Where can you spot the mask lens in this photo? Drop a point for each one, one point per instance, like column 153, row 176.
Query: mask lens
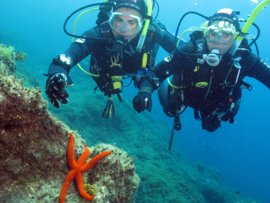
column 212, row 35
column 125, row 24
column 227, row 36
column 221, row 33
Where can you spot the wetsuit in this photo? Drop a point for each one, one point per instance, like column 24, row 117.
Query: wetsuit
column 214, row 92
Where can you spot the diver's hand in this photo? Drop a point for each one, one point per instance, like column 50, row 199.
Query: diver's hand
column 55, row 89
column 142, row 101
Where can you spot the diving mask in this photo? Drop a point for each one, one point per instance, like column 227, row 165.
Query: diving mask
column 220, row 32
column 125, row 24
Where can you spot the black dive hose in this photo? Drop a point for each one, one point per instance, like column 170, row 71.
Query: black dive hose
column 182, row 18
column 76, row 11
column 257, row 48
column 156, row 3
column 254, row 41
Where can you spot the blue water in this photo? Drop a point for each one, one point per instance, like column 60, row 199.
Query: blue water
column 241, row 152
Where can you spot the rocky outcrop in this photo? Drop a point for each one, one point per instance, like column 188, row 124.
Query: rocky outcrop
column 33, row 147
column 110, row 178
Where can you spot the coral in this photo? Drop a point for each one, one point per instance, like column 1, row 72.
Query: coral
column 91, row 189
column 20, row 56
column 6, row 53
column 9, row 56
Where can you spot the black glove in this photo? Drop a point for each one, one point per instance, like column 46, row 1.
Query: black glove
column 142, row 101
column 210, row 123
column 55, row 89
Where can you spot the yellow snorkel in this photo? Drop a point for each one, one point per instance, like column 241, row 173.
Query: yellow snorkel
column 73, row 39
column 146, row 26
column 247, row 25
column 78, row 18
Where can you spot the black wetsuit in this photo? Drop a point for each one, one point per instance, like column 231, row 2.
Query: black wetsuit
column 109, row 58
column 212, row 91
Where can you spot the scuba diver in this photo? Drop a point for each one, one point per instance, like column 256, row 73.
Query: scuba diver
column 123, row 44
column 207, row 72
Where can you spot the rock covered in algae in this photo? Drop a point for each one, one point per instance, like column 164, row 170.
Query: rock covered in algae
column 33, row 148
column 115, row 179
column 9, row 56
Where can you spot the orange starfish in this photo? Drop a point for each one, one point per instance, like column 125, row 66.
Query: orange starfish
column 78, row 168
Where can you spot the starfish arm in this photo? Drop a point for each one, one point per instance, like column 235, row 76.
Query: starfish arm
column 69, row 178
column 84, row 156
column 80, row 186
column 70, row 153
column 94, row 161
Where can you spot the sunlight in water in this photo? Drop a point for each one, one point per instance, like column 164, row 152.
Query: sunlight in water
column 254, row 1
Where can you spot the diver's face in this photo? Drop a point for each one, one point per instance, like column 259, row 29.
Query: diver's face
column 223, row 48
column 126, row 22
column 220, row 35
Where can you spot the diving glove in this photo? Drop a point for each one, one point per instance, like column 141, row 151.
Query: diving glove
column 55, row 89
column 142, row 101
column 210, row 123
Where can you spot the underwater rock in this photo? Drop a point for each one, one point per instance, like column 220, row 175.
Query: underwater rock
column 33, row 147
column 115, row 178
column 9, row 56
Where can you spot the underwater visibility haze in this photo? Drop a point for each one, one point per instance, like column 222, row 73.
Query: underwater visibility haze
column 240, row 152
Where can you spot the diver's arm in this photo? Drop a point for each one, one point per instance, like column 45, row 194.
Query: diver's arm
column 77, row 51
column 164, row 38
column 165, row 68
column 174, row 63
column 58, row 73
column 258, row 69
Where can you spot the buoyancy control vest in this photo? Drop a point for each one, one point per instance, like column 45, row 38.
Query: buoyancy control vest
column 117, row 49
